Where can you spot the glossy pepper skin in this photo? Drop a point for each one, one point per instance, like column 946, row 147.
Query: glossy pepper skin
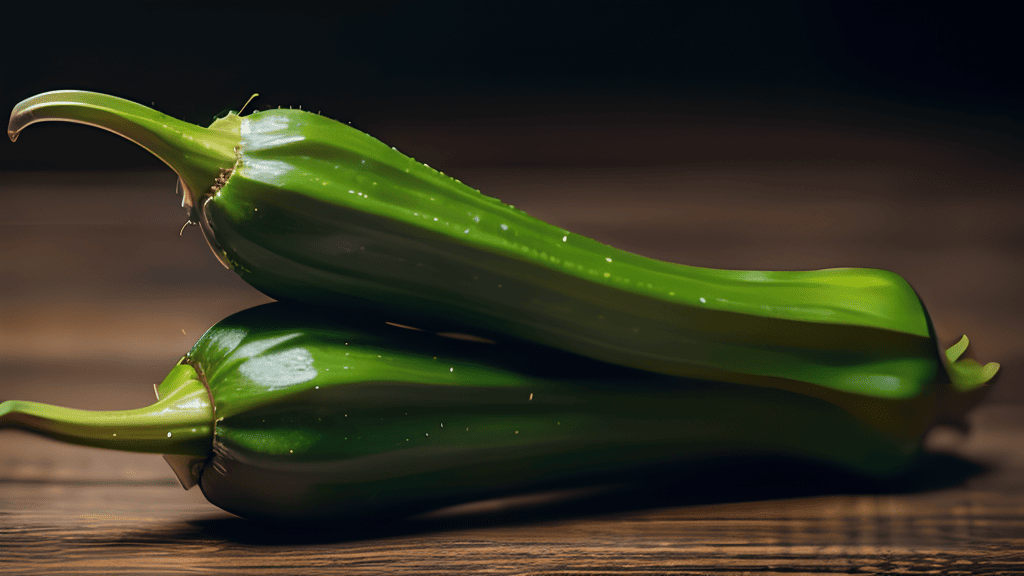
column 308, row 209
column 281, row 412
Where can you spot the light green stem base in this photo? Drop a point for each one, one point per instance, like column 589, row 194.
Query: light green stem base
column 198, row 155
column 181, row 422
column 967, row 374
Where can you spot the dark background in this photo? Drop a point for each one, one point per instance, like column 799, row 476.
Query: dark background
column 387, row 67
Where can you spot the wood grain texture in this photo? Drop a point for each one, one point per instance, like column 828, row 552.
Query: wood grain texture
column 967, row 522
column 100, row 297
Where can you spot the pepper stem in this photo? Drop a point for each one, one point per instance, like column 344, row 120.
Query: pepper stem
column 181, row 422
column 969, row 381
column 198, row 155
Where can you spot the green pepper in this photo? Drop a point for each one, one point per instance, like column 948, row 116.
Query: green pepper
column 284, row 412
column 308, row 209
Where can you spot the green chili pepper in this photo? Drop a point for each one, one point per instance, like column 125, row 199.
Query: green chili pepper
column 279, row 412
column 308, row 209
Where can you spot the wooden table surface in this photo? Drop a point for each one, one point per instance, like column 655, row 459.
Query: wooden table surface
column 100, row 296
